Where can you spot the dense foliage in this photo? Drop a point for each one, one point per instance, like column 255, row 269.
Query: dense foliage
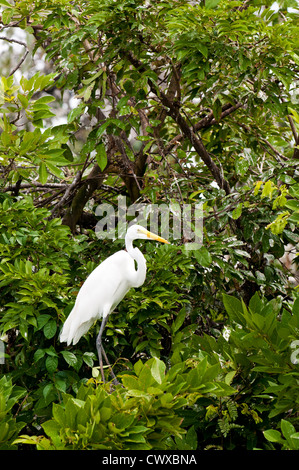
column 177, row 103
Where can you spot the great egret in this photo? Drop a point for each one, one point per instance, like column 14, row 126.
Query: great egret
column 104, row 288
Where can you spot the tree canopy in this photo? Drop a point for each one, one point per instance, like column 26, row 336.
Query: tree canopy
column 173, row 104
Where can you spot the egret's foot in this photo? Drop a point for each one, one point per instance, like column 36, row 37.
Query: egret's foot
column 114, row 379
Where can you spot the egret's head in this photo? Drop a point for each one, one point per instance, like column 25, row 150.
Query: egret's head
column 137, row 231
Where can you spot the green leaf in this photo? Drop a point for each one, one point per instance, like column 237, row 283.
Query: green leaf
column 59, row 415
column 51, row 364
column 76, row 112
column 23, row 100
column 101, row 156
column 229, row 377
column 217, row 109
column 203, row 256
column 257, row 187
column 46, row 390
column 88, row 358
column 241, row 166
column 287, row 430
column 279, row 223
column 179, row 320
column 44, row 99
column 43, row 173
column 50, row 329
column 53, row 169
column 68, row 154
column 39, row 353
column 204, row 51
column 234, row 308
column 91, row 79
column 51, row 428
column 273, row 436
column 158, row 370
column 237, row 211
column 211, row 3
column 69, row 357
column 5, row 3
column 268, row 189
column 292, row 204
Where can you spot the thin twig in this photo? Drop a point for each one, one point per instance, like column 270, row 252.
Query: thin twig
column 19, row 64
column 16, row 41
column 67, row 192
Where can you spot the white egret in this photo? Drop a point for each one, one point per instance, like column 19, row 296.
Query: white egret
column 104, row 288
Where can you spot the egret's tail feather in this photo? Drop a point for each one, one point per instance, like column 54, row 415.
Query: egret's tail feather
column 66, row 334
column 73, row 330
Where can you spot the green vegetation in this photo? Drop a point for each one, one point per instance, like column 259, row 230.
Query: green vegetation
column 174, row 104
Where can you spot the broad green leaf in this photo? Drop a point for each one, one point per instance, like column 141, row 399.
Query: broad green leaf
column 217, row 109
column 204, row 50
column 268, row 190
column 234, row 308
column 53, row 169
column 23, row 100
column 130, row 382
column 59, row 415
column 43, row 173
column 51, row 428
column 88, row 358
column 47, row 389
column 101, row 156
column 229, row 377
column 257, row 187
column 287, row 430
column 39, row 353
column 241, row 166
column 76, row 112
column 6, row 4
column 237, row 211
column 50, row 329
column 273, row 436
column 179, row 320
column 51, row 364
column 211, row 3
column 203, row 256
column 158, row 370
column 69, row 357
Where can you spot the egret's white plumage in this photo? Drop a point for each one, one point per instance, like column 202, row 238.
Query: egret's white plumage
column 106, row 286
column 102, row 291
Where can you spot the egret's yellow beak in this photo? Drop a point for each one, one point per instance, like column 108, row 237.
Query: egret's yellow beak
column 153, row 236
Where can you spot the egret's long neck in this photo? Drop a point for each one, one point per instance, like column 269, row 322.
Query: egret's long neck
column 138, row 277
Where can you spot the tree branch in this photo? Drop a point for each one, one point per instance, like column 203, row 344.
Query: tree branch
column 173, row 110
column 67, row 193
column 205, row 122
column 92, row 182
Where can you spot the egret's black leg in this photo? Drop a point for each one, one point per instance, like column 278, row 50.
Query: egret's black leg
column 100, row 347
column 101, row 353
column 115, row 381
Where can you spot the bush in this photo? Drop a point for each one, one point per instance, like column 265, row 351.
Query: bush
column 9, row 426
column 142, row 414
